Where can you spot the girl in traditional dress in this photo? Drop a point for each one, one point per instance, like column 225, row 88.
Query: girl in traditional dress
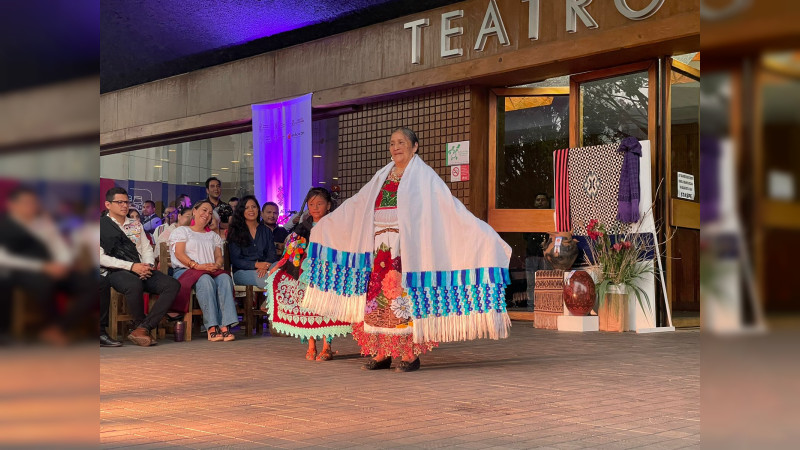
column 285, row 288
column 408, row 264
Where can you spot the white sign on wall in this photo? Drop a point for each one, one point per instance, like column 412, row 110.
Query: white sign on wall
column 459, row 173
column 781, row 185
column 685, row 186
column 456, row 153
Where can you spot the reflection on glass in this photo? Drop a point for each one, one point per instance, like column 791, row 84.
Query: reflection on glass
column 614, row 108
column 685, row 129
column 163, row 172
column 529, row 130
column 516, row 293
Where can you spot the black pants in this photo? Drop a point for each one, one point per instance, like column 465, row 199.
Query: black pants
column 133, row 288
column 104, row 291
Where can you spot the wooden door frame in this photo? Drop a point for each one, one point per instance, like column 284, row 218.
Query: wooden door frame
column 515, row 220
column 681, row 213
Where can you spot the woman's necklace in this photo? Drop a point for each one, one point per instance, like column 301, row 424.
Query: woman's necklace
column 394, row 175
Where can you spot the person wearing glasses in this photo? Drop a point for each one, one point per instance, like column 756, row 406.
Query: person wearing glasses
column 126, row 260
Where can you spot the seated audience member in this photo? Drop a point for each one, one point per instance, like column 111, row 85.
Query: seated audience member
column 183, row 201
column 170, row 217
column 269, row 215
column 184, row 219
column 133, row 213
column 197, row 260
column 126, row 259
column 251, row 245
column 150, row 220
column 35, row 258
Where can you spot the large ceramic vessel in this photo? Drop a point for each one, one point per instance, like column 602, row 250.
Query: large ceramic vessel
column 579, row 293
column 560, row 250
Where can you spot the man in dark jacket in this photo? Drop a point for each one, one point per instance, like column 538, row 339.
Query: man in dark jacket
column 126, row 260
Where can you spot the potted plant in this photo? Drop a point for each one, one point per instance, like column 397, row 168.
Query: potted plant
column 619, row 260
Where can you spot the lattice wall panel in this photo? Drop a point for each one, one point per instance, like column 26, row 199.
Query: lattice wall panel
column 437, row 118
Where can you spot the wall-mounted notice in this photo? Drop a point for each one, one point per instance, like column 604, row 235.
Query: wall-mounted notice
column 459, row 173
column 685, row 186
column 456, row 153
column 781, row 185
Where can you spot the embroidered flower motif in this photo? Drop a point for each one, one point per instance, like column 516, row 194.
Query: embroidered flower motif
column 401, row 307
column 392, row 287
column 383, row 259
column 371, row 306
column 396, row 264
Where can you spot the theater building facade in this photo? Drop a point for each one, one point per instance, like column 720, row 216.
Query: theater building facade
column 509, row 80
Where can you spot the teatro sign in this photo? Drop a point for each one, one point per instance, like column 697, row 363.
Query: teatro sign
column 493, row 24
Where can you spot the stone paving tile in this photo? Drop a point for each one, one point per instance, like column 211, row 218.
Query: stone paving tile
column 537, row 389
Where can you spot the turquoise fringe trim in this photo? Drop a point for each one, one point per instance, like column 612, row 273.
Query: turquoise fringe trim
column 443, row 301
column 328, row 276
column 332, row 270
column 467, row 277
column 339, row 257
column 316, row 333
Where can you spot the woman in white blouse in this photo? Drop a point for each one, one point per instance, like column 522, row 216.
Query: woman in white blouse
column 196, row 254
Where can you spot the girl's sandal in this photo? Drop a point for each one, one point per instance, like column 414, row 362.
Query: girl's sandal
column 311, row 354
column 325, row 355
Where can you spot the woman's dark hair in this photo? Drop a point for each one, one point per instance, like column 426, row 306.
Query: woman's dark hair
column 238, row 233
column 410, row 135
column 130, row 210
column 184, row 209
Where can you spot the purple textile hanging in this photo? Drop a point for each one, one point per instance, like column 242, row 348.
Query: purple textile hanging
column 628, row 197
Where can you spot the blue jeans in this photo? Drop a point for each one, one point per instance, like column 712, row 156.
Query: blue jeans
column 249, row 278
column 215, row 296
column 532, row 264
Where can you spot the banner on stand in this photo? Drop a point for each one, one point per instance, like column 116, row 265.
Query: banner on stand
column 282, row 152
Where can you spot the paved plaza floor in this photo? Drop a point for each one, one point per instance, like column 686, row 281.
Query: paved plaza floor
column 537, row 389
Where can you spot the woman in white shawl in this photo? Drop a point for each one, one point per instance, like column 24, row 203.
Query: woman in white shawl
column 448, row 285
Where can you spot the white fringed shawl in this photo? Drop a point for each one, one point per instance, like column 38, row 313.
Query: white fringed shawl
column 455, row 266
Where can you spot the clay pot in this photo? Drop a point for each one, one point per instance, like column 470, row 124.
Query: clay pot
column 579, row 293
column 560, row 250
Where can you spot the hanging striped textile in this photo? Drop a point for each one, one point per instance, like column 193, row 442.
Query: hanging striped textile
column 561, row 177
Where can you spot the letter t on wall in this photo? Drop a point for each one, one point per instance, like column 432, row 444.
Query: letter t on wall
column 416, row 38
column 533, row 19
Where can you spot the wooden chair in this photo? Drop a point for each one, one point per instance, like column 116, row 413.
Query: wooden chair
column 252, row 316
column 24, row 313
column 119, row 316
column 194, row 307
